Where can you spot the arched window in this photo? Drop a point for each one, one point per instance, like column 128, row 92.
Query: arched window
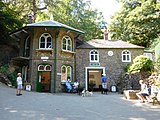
column 67, row 43
column 45, row 41
column 94, row 56
column 27, row 47
column 47, row 68
column 126, row 56
column 66, row 72
column 44, row 67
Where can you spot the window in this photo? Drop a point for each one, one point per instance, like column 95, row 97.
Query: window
column 45, row 41
column 66, row 73
column 67, row 43
column 94, row 56
column 27, row 47
column 126, row 56
column 44, row 68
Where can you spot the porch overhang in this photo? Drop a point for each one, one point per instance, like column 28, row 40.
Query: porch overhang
column 20, row 61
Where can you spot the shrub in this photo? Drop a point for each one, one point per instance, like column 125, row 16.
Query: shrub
column 141, row 64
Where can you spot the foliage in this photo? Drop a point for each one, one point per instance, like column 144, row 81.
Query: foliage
column 141, row 64
column 8, row 22
column 11, row 75
column 137, row 22
column 75, row 13
column 79, row 14
column 157, row 64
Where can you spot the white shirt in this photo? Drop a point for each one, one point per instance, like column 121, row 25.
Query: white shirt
column 144, row 88
column 76, row 84
column 19, row 80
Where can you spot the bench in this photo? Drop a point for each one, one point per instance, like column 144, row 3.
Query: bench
column 130, row 94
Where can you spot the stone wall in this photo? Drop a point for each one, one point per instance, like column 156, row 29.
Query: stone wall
column 114, row 67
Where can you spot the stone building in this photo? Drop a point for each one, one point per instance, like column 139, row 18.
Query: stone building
column 51, row 52
column 47, row 54
column 110, row 57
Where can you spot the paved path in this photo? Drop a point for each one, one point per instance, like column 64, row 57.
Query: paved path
column 45, row 106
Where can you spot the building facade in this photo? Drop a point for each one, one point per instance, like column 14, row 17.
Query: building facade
column 109, row 57
column 50, row 54
column 47, row 54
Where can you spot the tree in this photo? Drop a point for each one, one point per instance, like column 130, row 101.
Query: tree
column 79, row 14
column 137, row 22
column 8, row 22
column 75, row 13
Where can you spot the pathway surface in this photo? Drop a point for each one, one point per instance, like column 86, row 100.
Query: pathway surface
column 45, row 106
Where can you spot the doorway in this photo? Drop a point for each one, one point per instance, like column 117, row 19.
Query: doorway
column 94, row 80
column 44, row 78
column 93, row 77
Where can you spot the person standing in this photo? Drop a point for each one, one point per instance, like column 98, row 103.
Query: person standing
column 104, row 83
column 19, row 84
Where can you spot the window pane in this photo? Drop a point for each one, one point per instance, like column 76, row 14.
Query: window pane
column 127, row 57
column 124, row 57
column 41, row 67
column 92, row 57
column 64, row 44
column 48, row 68
column 69, row 73
column 42, row 45
column 63, row 77
column 96, row 57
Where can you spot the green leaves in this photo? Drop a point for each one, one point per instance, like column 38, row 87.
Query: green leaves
column 139, row 24
column 141, row 64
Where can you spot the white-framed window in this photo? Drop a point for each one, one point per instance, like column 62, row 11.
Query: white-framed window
column 94, row 56
column 126, row 56
column 45, row 41
column 66, row 72
column 67, row 43
column 44, row 67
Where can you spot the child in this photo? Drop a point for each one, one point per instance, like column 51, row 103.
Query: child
column 19, row 85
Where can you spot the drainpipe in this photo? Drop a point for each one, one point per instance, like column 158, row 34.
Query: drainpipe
column 55, row 60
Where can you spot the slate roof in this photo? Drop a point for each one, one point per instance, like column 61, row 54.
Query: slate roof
column 99, row 43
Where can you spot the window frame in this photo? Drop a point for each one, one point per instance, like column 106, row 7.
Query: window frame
column 66, row 73
column 65, row 43
column 125, row 55
column 94, row 56
column 44, row 67
column 45, row 41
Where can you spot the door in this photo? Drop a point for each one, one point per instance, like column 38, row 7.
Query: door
column 44, row 81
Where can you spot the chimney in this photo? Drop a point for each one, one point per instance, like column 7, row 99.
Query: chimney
column 107, row 35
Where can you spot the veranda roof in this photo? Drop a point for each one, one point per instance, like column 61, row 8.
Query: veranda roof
column 45, row 24
column 53, row 24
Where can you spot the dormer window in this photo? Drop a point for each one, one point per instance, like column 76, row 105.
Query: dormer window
column 45, row 41
column 66, row 43
column 94, row 56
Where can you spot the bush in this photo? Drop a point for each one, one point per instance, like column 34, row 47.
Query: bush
column 10, row 75
column 141, row 64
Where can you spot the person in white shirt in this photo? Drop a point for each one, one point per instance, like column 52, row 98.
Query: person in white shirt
column 143, row 94
column 19, row 85
column 76, row 85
